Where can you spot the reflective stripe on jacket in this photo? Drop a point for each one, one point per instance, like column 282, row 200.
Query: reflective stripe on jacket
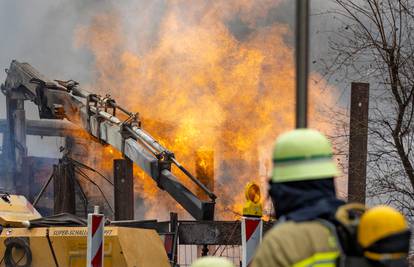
column 298, row 244
column 322, row 259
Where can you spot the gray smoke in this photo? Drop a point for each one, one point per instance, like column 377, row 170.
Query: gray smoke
column 41, row 33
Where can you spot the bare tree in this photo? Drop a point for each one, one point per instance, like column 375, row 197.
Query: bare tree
column 375, row 43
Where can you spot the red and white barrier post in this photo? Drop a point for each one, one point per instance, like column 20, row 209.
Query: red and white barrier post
column 95, row 245
column 252, row 230
column 251, row 223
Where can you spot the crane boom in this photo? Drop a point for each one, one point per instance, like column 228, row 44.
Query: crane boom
column 98, row 116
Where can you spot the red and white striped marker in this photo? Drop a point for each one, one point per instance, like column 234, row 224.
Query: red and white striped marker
column 252, row 230
column 95, row 239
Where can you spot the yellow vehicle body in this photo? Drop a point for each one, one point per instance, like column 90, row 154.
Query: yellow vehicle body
column 17, row 212
column 123, row 247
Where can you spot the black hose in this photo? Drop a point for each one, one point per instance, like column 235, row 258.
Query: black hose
column 17, row 243
column 84, row 176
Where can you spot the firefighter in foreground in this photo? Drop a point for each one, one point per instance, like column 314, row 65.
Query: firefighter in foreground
column 302, row 190
column 303, row 193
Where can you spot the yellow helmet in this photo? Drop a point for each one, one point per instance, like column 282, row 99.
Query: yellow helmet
column 212, row 262
column 383, row 234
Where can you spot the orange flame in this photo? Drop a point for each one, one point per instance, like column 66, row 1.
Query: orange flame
column 203, row 84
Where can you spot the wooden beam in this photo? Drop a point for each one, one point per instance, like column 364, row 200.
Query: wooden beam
column 204, row 170
column 47, row 128
column 19, row 132
column 358, row 139
column 123, row 189
column 9, row 144
column 64, row 188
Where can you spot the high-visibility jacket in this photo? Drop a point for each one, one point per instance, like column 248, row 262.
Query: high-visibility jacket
column 298, row 244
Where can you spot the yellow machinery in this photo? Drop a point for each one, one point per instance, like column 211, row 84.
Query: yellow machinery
column 21, row 245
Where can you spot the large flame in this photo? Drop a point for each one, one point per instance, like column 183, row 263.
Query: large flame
column 204, row 83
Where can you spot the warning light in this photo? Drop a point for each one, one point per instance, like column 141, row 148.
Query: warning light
column 253, row 193
column 253, row 205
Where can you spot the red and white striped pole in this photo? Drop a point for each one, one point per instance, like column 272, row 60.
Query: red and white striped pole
column 252, row 231
column 95, row 246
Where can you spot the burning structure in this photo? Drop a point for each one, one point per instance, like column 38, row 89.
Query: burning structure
column 209, row 77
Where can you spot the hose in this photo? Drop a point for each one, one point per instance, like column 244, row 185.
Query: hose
column 17, row 243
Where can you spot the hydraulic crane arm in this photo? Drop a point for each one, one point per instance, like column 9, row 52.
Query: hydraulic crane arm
column 98, row 116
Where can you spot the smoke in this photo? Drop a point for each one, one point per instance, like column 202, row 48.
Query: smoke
column 43, row 34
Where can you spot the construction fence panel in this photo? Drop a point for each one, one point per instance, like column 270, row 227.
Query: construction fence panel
column 187, row 254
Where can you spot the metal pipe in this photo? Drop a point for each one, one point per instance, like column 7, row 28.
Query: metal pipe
column 302, row 55
column 76, row 91
column 106, row 115
column 115, row 105
column 149, row 140
column 195, row 180
column 147, row 146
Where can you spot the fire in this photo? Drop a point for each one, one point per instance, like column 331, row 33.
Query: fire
column 201, row 82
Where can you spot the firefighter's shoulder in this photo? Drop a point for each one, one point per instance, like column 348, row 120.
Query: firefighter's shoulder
column 296, row 244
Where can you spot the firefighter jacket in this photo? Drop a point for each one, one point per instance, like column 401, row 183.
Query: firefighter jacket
column 298, row 244
column 300, row 238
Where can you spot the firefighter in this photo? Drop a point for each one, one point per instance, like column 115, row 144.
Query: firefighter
column 303, row 194
column 384, row 236
column 212, row 262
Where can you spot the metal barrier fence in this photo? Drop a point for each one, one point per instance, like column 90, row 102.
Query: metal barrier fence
column 186, row 239
column 187, row 254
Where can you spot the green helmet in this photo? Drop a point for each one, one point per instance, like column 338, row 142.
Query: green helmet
column 302, row 154
column 212, row 262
